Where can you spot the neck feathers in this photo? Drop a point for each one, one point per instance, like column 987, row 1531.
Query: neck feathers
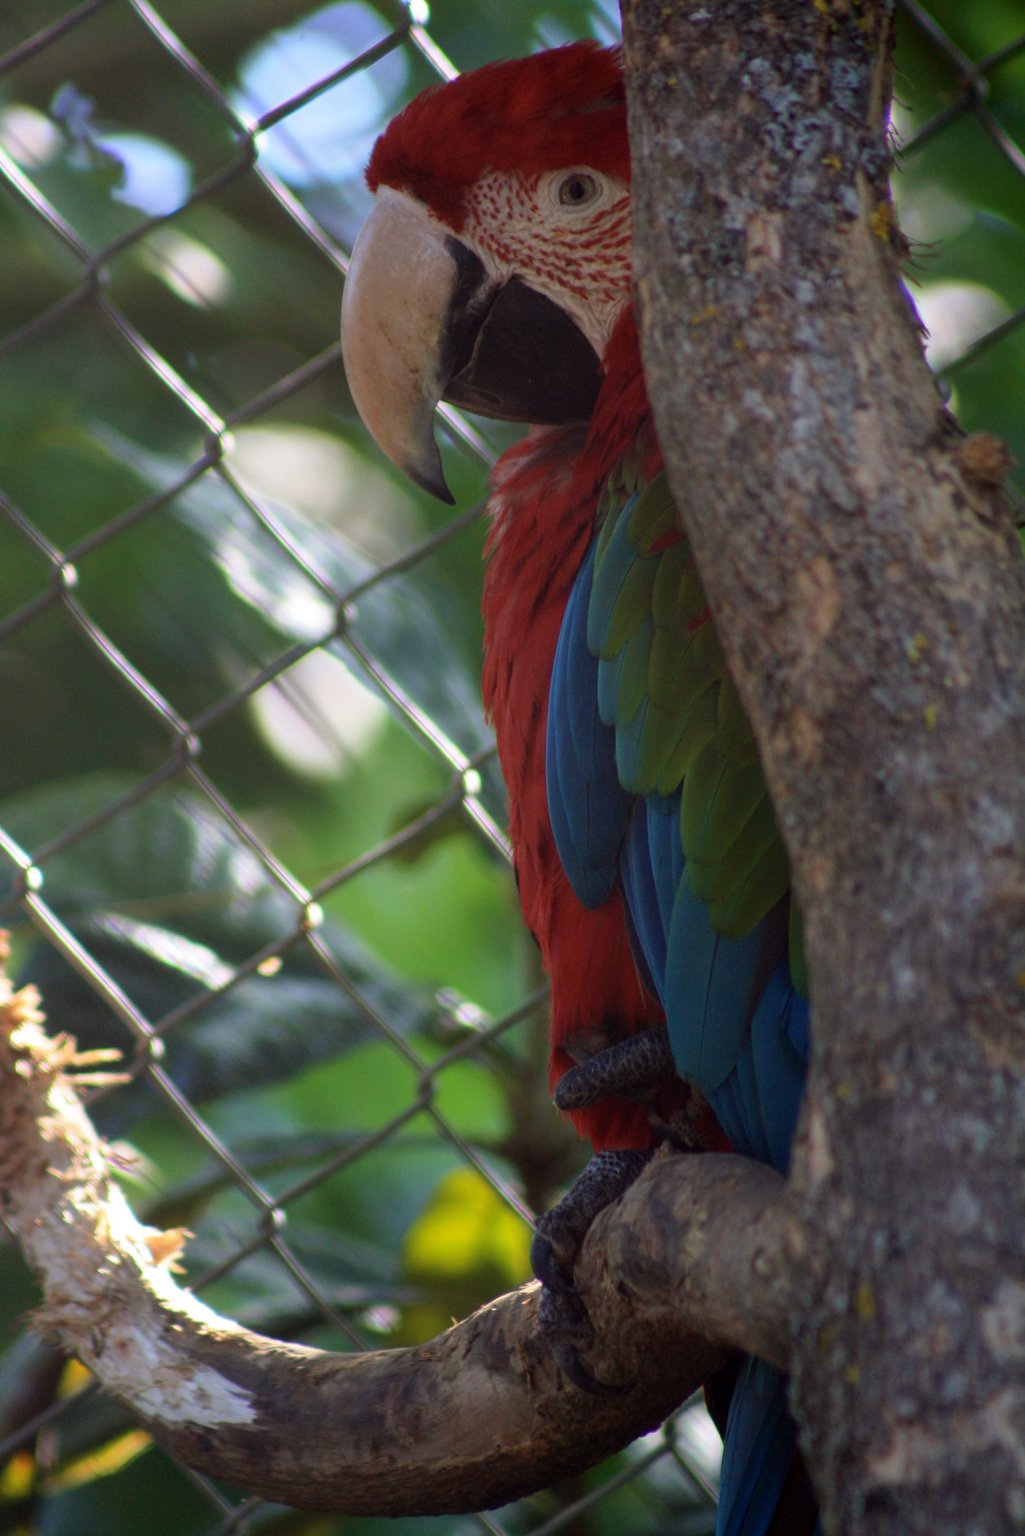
column 545, row 496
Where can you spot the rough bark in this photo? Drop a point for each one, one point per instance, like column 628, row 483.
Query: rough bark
column 481, row 1415
column 871, row 597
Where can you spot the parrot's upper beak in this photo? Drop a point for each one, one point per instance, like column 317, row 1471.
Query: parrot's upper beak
column 422, row 322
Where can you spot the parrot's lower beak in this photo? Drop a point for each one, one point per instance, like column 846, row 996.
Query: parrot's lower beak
column 422, row 322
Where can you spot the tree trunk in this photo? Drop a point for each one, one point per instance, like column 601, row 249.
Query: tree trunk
column 870, row 595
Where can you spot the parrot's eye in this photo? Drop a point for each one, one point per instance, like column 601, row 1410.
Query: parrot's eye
column 578, row 189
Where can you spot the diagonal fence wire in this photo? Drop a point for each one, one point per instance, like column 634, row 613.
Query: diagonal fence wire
column 84, row 333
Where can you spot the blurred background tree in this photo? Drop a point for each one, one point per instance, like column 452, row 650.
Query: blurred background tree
column 250, row 821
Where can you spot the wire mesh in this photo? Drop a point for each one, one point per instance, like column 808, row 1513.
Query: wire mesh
column 251, row 819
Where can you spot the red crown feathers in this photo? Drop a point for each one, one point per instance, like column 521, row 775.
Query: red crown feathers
column 561, row 108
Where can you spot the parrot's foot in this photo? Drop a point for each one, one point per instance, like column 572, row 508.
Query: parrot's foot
column 641, row 1067
column 558, row 1235
column 629, row 1067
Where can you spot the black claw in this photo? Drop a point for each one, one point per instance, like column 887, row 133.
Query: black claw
column 547, row 1267
column 564, row 1320
column 569, row 1364
column 568, row 1330
column 557, row 1238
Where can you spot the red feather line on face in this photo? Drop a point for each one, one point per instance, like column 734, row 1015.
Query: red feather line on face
column 562, row 108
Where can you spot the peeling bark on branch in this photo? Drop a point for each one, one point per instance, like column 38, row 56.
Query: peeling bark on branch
column 479, row 1416
column 871, row 598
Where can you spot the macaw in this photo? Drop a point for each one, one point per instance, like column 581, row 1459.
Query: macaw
column 494, row 273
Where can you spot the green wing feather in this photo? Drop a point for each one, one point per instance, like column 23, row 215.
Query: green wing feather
column 664, row 687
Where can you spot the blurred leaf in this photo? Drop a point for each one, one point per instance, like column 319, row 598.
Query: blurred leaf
column 178, row 1204
column 150, row 1494
column 436, row 829
column 398, row 620
column 30, row 1370
column 108, row 1459
column 989, row 250
column 466, row 1247
column 262, row 1295
column 169, row 899
column 200, row 595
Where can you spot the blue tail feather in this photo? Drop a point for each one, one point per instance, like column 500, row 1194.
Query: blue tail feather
column 588, row 806
column 759, row 1448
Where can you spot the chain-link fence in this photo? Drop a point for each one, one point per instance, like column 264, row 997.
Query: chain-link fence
column 250, row 819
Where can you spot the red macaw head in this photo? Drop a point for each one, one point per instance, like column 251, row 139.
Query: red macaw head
column 496, row 261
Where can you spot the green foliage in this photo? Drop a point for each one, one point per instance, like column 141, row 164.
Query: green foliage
column 168, row 900
column 961, row 196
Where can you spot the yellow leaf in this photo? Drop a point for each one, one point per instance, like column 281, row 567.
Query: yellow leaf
column 466, row 1247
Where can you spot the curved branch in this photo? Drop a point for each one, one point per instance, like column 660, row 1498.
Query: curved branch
column 478, row 1416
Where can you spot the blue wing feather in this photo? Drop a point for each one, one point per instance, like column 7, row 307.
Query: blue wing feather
column 642, row 893
column 712, row 986
column 737, row 1106
column 779, row 1051
column 605, row 587
column 668, row 862
column 588, row 806
column 609, row 680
